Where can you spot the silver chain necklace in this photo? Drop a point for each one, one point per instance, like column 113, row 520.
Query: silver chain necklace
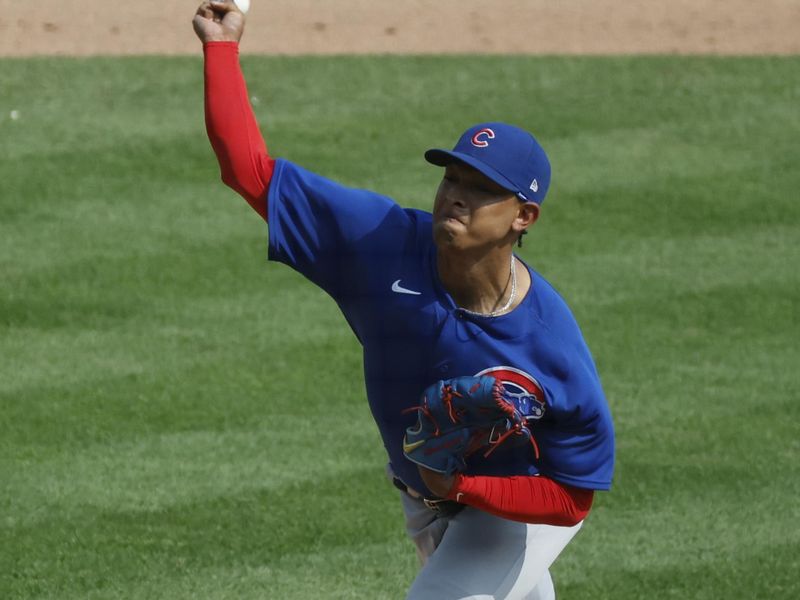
column 505, row 307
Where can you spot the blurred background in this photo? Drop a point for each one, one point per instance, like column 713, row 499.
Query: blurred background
column 412, row 26
column 153, row 365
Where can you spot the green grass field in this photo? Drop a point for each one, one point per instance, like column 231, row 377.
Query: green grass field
column 153, row 365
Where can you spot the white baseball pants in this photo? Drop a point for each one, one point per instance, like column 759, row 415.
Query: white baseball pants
column 477, row 556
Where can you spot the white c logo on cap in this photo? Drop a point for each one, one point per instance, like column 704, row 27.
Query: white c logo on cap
column 482, row 143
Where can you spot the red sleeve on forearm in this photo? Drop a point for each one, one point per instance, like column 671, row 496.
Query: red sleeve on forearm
column 232, row 128
column 527, row 499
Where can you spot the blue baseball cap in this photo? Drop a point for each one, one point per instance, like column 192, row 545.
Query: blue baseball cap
column 508, row 155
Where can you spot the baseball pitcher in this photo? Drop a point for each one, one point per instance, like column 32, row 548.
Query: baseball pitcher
column 486, row 396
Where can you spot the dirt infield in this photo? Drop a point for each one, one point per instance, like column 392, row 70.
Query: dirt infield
column 88, row 27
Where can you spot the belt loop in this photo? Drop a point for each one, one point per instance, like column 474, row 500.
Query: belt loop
column 398, row 483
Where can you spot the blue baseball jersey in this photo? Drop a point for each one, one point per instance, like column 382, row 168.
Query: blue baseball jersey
column 377, row 260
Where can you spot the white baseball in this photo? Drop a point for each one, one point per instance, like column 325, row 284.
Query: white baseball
column 244, row 5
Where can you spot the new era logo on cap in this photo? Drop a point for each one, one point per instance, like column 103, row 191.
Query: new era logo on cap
column 508, row 155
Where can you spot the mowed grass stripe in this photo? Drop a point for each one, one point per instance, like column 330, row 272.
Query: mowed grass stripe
column 153, row 366
column 115, row 395
column 205, row 534
column 382, row 569
column 155, row 472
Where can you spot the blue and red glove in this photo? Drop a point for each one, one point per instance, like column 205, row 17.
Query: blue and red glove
column 460, row 416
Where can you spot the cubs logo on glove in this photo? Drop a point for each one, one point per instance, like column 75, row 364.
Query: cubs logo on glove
column 461, row 416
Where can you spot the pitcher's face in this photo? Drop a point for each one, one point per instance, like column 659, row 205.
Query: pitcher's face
column 472, row 211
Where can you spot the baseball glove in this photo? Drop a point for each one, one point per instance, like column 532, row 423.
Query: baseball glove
column 461, row 416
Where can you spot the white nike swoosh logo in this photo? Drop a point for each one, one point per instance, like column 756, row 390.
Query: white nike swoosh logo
column 401, row 290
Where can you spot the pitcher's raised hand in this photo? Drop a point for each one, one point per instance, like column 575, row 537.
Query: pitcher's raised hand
column 218, row 21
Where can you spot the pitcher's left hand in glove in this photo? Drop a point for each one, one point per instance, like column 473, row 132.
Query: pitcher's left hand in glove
column 459, row 417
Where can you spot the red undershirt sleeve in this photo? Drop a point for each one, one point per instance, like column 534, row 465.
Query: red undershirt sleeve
column 232, row 128
column 524, row 498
